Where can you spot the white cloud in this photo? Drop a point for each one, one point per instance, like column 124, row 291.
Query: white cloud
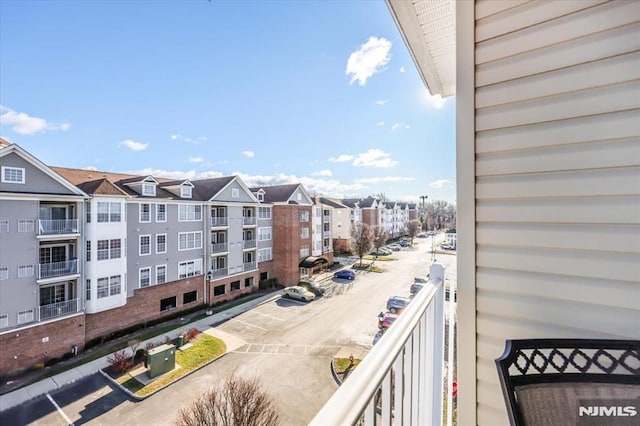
column 402, row 69
column 249, row 154
column 374, row 158
column 24, row 124
column 176, row 174
column 369, row 59
column 325, row 172
column 440, row 183
column 321, row 186
column 179, row 137
column 397, row 126
column 133, row 145
column 92, row 168
column 380, row 123
column 434, row 101
column 382, row 101
column 386, row 179
column 341, row 158
column 196, row 159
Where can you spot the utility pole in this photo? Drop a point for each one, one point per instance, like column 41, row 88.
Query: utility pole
column 424, row 211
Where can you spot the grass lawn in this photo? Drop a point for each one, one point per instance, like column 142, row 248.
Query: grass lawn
column 204, row 349
column 341, row 364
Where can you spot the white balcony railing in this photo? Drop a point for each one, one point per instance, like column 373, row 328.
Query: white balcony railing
column 250, row 266
column 249, row 220
column 57, row 269
column 219, row 247
column 58, row 226
column 249, row 244
column 217, row 273
column 400, row 381
column 219, row 221
column 58, row 309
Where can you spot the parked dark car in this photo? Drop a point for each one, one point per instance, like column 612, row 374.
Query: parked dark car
column 347, row 274
column 313, row 287
column 416, row 287
column 397, row 303
column 404, row 243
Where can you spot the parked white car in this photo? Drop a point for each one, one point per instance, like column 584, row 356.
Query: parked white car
column 299, row 293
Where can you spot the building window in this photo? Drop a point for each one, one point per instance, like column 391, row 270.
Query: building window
column 103, row 249
column 12, row 174
column 4, row 321
column 264, row 234
column 304, row 232
column 25, row 316
column 4, row 226
column 115, row 249
column 103, row 287
column 304, row 216
column 189, row 297
column 87, row 290
column 189, row 213
column 115, row 214
column 235, row 192
column 264, row 212
column 26, row 225
column 145, row 245
column 145, row 212
column 261, row 197
column 190, row 268
column 168, row 303
column 304, row 251
column 185, row 191
column 87, row 209
column 149, row 189
column 265, row 254
column 189, row 240
column 264, row 276
column 87, row 254
column 161, row 243
column 161, row 212
column 299, row 196
column 235, row 286
column 4, row 273
column 248, row 282
column 161, row 274
column 219, row 290
column 25, row 271
column 144, row 279
column 115, row 286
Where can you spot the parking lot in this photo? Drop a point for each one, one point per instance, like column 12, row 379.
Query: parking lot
column 287, row 345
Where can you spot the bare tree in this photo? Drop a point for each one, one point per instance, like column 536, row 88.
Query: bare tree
column 412, row 229
column 379, row 236
column 133, row 347
column 361, row 239
column 236, row 401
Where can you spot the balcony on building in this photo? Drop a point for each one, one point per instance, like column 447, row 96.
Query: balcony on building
column 401, row 380
column 219, row 217
column 57, row 221
column 249, row 266
column 249, row 244
column 218, row 248
column 58, row 309
column 217, row 273
column 63, row 270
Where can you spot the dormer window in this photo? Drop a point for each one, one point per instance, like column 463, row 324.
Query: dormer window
column 261, row 196
column 149, row 189
column 185, row 191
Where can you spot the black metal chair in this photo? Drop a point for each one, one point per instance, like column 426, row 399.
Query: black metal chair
column 571, row 381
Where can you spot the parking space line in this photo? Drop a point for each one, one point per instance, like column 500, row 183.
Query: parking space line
column 296, row 301
column 250, row 325
column 62, row 413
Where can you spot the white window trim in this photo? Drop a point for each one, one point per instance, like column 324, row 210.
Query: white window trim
column 165, row 212
column 4, row 168
column 151, row 193
column 140, row 213
column 4, row 273
column 187, row 207
column 25, row 271
column 4, row 321
column 26, row 225
column 165, row 243
column 148, row 268
column 194, row 240
column 186, row 191
column 140, row 245
column 4, row 226
column 165, row 274
column 235, row 193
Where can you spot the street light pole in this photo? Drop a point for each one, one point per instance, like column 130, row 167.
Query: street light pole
column 424, row 210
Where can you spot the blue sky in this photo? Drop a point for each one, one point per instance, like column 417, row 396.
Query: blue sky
column 321, row 93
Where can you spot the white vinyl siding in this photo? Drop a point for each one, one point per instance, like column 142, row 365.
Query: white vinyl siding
column 557, row 177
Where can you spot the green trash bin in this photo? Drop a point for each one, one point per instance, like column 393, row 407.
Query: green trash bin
column 180, row 341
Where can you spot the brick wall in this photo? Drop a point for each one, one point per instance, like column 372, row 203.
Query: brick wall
column 287, row 242
column 228, row 293
column 21, row 349
column 144, row 306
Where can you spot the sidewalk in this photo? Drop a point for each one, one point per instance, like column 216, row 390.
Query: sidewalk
column 19, row 396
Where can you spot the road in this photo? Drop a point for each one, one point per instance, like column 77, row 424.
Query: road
column 289, row 346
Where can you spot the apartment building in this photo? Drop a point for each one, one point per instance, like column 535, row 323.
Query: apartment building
column 293, row 226
column 341, row 217
column 41, row 257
